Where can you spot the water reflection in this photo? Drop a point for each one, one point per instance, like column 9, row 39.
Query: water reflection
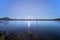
column 35, row 25
column 19, row 27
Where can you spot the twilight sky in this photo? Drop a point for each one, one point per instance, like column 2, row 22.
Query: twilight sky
column 32, row 8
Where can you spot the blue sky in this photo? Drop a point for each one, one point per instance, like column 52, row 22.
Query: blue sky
column 32, row 8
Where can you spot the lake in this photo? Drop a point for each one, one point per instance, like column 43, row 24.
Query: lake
column 51, row 28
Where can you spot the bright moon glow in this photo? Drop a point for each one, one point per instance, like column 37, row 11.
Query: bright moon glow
column 28, row 17
column 29, row 22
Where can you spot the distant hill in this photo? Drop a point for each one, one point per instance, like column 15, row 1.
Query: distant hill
column 58, row 19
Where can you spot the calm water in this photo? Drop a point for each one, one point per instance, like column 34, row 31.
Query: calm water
column 47, row 27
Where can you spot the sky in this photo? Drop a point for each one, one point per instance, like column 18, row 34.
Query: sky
column 32, row 8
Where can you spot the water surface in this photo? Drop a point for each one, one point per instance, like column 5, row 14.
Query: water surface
column 51, row 28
